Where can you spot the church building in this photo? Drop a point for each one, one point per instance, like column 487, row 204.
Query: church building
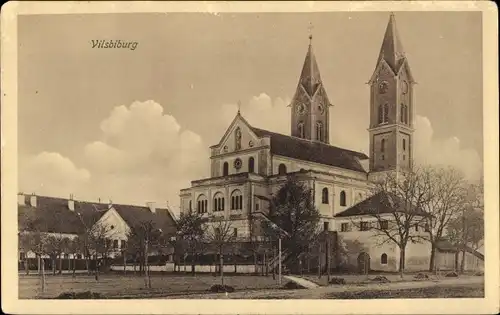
column 249, row 164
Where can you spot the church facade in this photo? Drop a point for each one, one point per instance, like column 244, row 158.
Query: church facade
column 249, row 164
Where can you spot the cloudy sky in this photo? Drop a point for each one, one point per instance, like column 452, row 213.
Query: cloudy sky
column 135, row 125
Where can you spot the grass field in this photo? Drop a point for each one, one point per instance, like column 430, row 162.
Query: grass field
column 123, row 286
column 462, row 291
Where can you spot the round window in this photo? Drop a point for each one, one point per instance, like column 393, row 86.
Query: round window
column 238, row 163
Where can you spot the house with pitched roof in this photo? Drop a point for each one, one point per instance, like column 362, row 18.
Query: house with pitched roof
column 69, row 218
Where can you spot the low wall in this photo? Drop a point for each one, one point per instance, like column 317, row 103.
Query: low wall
column 187, row 268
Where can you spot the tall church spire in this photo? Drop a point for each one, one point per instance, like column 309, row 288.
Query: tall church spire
column 392, row 50
column 310, row 105
column 310, row 78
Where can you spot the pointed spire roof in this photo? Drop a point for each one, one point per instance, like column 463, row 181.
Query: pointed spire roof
column 392, row 49
column 310, row 78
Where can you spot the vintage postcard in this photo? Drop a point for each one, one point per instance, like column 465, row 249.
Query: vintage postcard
column 202, row 157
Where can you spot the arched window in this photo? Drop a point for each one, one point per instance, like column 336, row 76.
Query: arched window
column 404, row 144
column 251, row 165
column 202, row 204
column 383, row 259
column 236, row 200
column 382, row 146
column 386, row 112
column 380, row 114
column 218, row 202
column 190, row 205
column 225, row 169
column 324, row 196
column 282, row 169
column 319, row 131
column 342, row 198
column 402, row 114
column 300, row 128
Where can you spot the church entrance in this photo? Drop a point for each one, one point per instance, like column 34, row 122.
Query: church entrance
column 363, row 263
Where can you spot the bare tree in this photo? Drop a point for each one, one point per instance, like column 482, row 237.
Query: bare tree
column 445, row 201
column 466, row 231
column 147, row 238
column 220, row 234
column 395, row 207
column 191, row 232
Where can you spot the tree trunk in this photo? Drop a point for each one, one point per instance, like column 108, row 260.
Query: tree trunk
column 74, row 265
column 39, row 264
column 432, row 262
column 266, row 264
column 462, row 263
column 274, row 267
column 43, row 275
column 221, row 267
column 402, row 259
column 124, row 264
column 26, row 265
column 87, row 264
column 193, row 263
column 54, row 258
column 60, row 263
column 146, row 273
column 308, row 263
column 255, row 262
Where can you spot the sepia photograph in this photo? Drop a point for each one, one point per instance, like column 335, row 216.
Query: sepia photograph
column 246, row 154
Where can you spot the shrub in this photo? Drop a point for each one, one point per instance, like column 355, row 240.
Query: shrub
column 421, row 275
column 290, row 285
column 86, row 295
column 478, row 273
column 451, row 274
column 221, row 288
column 337, row 281
column 380, row 279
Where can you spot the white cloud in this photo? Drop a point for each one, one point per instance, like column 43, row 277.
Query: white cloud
column 144, row 154
column 429, row 150
column 262, row 112
column 51, row 174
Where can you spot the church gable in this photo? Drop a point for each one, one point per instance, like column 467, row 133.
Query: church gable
column 239, row 136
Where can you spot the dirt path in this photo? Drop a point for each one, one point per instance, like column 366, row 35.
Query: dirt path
column 321, row 292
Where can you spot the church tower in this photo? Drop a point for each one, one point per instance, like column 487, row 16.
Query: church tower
column 391, row 106
column 310, row 105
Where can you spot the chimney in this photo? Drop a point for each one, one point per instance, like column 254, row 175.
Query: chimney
column 151, row 206
column 21, row 200
column 71, row 203
column 33, row 200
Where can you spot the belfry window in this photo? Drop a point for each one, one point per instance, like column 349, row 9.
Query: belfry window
column 319, row 131
column 402, row 114
column 380, row 114
column 300, row 128
column 386, row 113
column 382, row 146
column 225, row 170
column 404, row 144
column 251, row 163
